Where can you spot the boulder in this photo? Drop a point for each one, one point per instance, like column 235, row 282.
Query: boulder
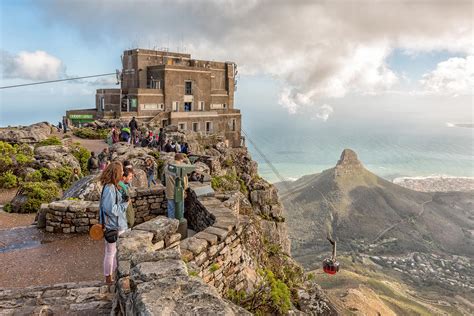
column 88, row 188
column 54, row 156
column 313, row 301
column 28, row 134
column 17, row 203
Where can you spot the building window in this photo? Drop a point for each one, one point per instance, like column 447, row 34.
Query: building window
column 224, row 106
column 155, row 84
column 102, row 103
column 182, row 126
column 201, row 106
column 217, row 106
column 149, row 106
column 188, row 88
column 208, row 127
column 195, row 126
column 161, row 107
column 232, row 125
column 187, row 106
column 175, row 106
column 164, row 123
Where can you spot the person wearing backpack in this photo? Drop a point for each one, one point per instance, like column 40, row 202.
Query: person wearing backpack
column 125, row 186
column 112, row 215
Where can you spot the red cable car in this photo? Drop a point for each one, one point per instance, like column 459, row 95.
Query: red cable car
column 331, row 265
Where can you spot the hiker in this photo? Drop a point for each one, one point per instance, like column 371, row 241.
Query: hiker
column 150, row 171
column 60, row 126
column 65, row 125
column 178, row 147
column 161, row 139
column 170, row 183
column 93, row 163
column 112, row 209
column 173, row 147
column 103, row 158
column 125, row 186
column 76, row 175
column 133, row 129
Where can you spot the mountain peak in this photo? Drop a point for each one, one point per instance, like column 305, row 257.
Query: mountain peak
column 348, row 158
column 348, row 163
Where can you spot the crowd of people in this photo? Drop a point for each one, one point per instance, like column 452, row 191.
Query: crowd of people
column 131, row 134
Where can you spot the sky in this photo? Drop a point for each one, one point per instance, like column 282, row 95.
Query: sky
column 311, row 61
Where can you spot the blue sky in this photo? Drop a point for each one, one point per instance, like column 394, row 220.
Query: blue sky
column 87, row 38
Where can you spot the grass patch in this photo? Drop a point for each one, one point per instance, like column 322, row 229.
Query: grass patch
column 91, row 133
column 53, row 140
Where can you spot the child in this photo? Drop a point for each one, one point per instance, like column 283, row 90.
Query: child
column 150, row 171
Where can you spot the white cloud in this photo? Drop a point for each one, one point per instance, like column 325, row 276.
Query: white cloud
column 37, row 65
column 323, row 112
column 454, row 76
column 317, row 49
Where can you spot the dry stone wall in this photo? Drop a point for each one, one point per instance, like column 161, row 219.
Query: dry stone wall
column 85, row 298
column 77, row 216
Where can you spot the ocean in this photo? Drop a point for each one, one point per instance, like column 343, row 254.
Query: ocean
column 427, row 150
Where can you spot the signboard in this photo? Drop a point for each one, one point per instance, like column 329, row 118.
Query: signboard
column 81, row 116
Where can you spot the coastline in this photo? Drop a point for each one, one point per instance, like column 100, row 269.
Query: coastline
column 436, row 183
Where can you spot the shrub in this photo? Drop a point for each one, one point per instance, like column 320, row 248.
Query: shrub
column 38, row 193
column 270, row 296
column 61, row 175
column 214, row 267
column 35, row 176
column 82, row 155
column 7, row 151
column 7, row 208
column 91, row 133
column 53, row 140
column 229, row 182
column 8, row 180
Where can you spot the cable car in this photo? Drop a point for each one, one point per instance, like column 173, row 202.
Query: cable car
column 331, row 265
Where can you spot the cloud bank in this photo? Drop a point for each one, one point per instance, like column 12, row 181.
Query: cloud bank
column 317, row 49
column 37, row 65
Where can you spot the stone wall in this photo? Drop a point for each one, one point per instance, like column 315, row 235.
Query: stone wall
column 153, row 279
column 84, row 298
column 148, row 203
column 76, row 216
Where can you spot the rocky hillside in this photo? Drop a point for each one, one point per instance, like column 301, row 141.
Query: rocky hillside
column 366, row 213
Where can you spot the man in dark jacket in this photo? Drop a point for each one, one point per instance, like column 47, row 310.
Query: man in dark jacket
column 133, row 128
column 161, row 139
column 93, row 163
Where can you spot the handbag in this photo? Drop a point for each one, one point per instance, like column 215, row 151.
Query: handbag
column 111, row 235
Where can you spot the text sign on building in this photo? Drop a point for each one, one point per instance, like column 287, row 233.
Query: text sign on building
column 81, row 116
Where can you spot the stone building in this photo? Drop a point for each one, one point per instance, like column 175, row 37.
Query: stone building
column 162, row 88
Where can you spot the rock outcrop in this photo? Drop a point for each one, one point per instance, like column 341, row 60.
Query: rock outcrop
column 26, row 135
column 55, row 156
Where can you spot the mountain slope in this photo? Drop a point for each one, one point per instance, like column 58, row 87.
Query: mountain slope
column 367, row 213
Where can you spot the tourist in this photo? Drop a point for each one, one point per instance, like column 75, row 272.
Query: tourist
column 150, row 167
column 103, row 158
column 168, row 147
column 185, row 149
column 127, row 164
column 173, row 147
column 170, row 185
column 113, row 208
column 125, row 186
column 93, row 163
column 110, row 139
column 65, row 125
column 60, row 126
column 115, row 135
column 76, row 175
column 133, row 128
column 161, row 139
column 178, row 147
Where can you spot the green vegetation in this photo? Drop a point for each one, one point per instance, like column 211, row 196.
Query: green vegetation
column 8, row 180
column 38, row 193
column 229, row 182
column 61, row 175
column 53, row 140
column 214, row 267
column 193, row 273
column 82, row 155
column 91, row 133
column 270, row 296
column 7, row 207
column 14, row 158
